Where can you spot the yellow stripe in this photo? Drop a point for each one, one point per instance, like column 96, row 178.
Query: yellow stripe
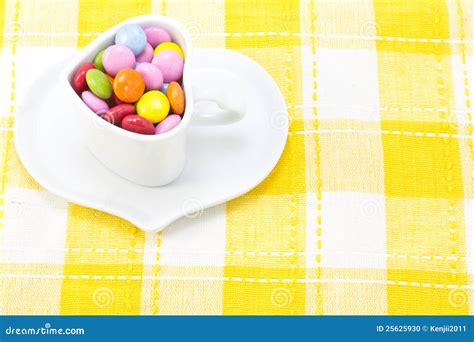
column 88, row 228
column 98, row 16
column 423, row 176
column 272, row 217
column 8, row 136
column 2, row 21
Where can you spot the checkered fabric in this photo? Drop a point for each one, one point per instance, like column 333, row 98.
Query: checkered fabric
column 369, row 210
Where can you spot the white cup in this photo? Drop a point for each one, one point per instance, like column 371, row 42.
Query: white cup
column 153, row 160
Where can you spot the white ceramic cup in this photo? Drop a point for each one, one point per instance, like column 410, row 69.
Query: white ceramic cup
column 153, row 160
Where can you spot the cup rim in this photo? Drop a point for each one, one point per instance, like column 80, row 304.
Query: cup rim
column 68, row 71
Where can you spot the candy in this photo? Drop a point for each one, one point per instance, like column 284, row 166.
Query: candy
column 169, row 46
column 146, row 56
column 168, row 124
column 135, row 84
column 98, row 83
column 132, row 36
column 116, row 58
column 137, row 124
column 170, row 64
column 97, row 105
column 79, row 79
column 98, row 60
column 115, row 114
column 164, row 88
column 176, row 97
column 129, row 85
column 151, row 74
column 154, row 106
column 156, row 35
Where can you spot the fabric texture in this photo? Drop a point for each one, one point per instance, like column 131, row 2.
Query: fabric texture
column 369, row 210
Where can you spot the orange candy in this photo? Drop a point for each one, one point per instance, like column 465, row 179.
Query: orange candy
column 129, row 85
column 175, row 95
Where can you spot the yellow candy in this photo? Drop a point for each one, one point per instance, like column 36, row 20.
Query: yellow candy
column 169, row 46
column 154, row 106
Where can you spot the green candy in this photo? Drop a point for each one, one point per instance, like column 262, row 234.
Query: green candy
column 99, row 83
column 98, row 61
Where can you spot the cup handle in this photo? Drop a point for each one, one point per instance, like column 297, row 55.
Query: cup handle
column 219, row 97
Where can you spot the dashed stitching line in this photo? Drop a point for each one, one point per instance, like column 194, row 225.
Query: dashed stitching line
column 130, row 266
column 466, row 84
column 394, row 132
column 236, row 279
column 377, row 108
column 361, row 131
column 156, row 277
column 293, row 207
column 9, row 134
column 270, row 34
column 252, row 253
column 319, row 297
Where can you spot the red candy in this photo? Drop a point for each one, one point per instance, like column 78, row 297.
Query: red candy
column 138, row 124
column 116, row 114
column 79, row 80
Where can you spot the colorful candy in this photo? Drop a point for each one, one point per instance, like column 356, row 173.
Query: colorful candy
column 151, row 75
column 146, row 56
column 153, row 106
column 175, row 95
column 97, row 105
column 135, row 84
column 170, row 64
column 116, row 58
column 169, row 46
column 79, row 79
column 98, row 61
column 99, row 83
column 168, row 124
column 133, row 37
column 129, row 85
column 156, row 35
column 137, row 124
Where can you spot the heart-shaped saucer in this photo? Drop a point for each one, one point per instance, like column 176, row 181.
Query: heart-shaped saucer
column 223, row 162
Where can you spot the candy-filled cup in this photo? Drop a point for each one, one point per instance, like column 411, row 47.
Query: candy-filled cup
column 151, row 160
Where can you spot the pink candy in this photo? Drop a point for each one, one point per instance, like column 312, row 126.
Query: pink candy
column 151, row 74
column 156, row 35
column 171, row 65
column 168, row 124
column 147, row 55
column 98, row 105
column 116, row 58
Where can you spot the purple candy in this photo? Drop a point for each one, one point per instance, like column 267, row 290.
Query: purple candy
column 171, row 65
column 151, row 74
column 146, row 56
column 170, row 122
column 156, row 35
column 116, row 58
column 95, row 103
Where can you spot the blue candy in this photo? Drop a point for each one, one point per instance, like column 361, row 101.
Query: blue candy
column 164, row 88
column 133, row 37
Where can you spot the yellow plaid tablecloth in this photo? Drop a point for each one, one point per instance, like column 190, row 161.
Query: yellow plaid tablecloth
column 369, row 211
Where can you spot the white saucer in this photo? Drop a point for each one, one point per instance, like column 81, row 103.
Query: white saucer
column 223, row 162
